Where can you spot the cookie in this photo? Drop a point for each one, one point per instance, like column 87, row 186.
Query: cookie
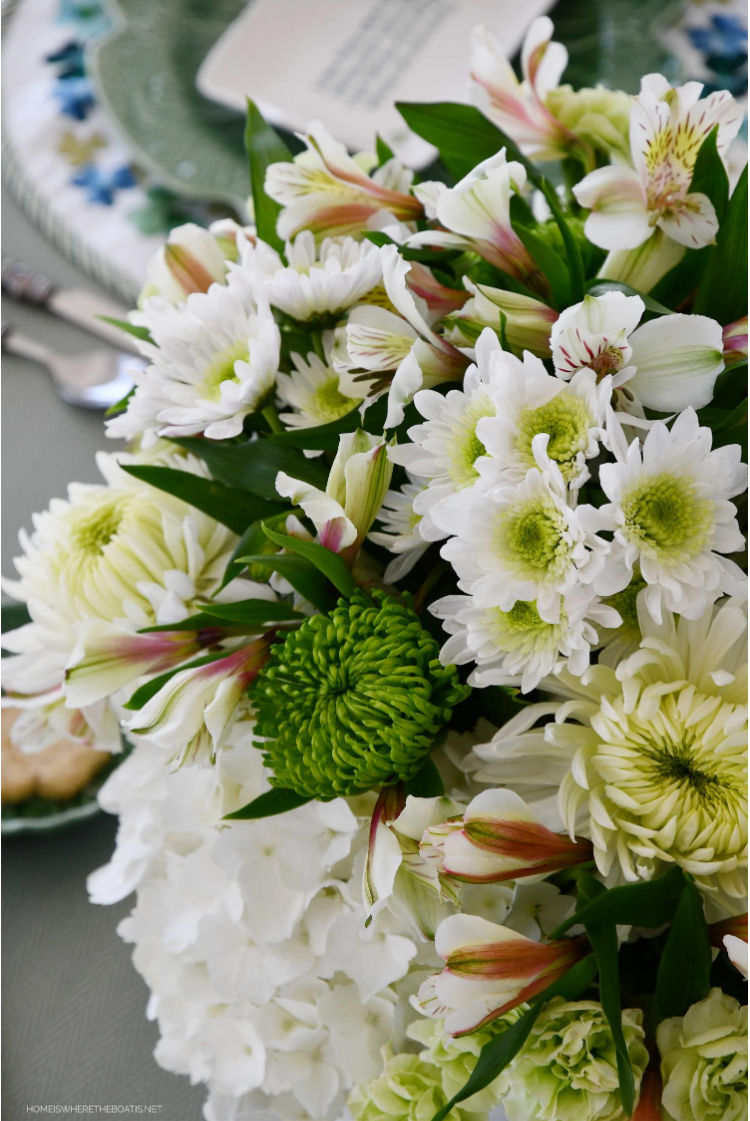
column 55, row 773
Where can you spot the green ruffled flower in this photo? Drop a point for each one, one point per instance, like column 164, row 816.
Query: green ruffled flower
column 409, row 1089
column 354, row 699
column 704, row 1061
column 599, row 116
column 567, row 1070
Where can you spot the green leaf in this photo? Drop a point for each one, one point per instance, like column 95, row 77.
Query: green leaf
column 119, row 406
column 599, row 287
column 572, row 249
column 498, row 1052
column 254, row 464
column 383, row 151
column 330, row 564
column 256, row 613
column 650, row 904
column 462, row 136
column 722, row 293
column 709, row 174
column 152, row 687
column 233, row 508
column 427, row 782
column 323, row 437
column 264, row 146
column 303, row 576
column 685, row 966
column 551, row 264
column 276, row 801
column 141, row 333
column 603, row 939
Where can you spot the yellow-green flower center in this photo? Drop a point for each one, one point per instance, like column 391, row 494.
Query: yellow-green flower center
column 625, row 603
column 467, row 447
column 531, row 540
column 221, row 369
column 94, row 528
column 523, row 628
column 328, row 402
column 666, row 519
column 566, row 420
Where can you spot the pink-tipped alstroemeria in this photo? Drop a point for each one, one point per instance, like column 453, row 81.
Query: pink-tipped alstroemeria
column 107, row 658
column 475, row 215
column 326, row 191
column 519, row 108
column 735, row 342
column 667, row 128
column 197, row 707
column 499, row 838
column 439, row 298
column 404, row 347
column 490, row 969
column 357, row 483
column 191, row 260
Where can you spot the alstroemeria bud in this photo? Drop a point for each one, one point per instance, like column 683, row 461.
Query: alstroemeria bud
column 490, row 969
column 191, row 260
column 527, row 321
column 735, row 342
column 357, row 482
column 500, row 839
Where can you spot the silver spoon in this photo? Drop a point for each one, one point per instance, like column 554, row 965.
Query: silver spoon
column 95, row 379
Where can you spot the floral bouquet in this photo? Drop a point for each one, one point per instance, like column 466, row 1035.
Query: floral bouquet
column 415, row 598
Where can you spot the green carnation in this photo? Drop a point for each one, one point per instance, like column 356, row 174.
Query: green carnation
column 354, row 699
column 567, row 1070
column 409, row 1089
column 704, row 1061
column 599, row 116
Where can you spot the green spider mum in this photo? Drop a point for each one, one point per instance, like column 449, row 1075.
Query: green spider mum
column 353, row 699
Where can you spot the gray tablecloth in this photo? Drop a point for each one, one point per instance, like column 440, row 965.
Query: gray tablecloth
column 74, row 1026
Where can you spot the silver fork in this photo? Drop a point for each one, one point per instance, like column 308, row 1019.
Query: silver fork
column 95, row 379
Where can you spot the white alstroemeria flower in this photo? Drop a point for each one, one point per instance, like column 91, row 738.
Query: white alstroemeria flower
column 357, row 483
column 736, row 949
column 399, row 530
column 526, row 321
column 529, row 401
column 518, row 647
column 519, row 107
column 379, row 341
column 193, row 713
column 670, row 512
column 523, row 541
column 476, row 214
column 667, row 128
column 319, row 281
column 213, row 361
column 313, row 392
column 327, row 192
column 668, row 364
column 191, row 260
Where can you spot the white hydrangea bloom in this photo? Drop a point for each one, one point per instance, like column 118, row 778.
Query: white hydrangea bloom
column 670, row 512
column 249, row 934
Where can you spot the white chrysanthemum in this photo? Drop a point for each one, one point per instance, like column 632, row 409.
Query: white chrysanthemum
column 319, row 281
column 399, row 529
column 313, row 392
column 650, row 758
column 668, row 364
column 249, row 934
column 213, row 360
column 111, row 557
column 671, row 515
column 528, row 401
column 445, row 449
column 523, row 541
column 519, row 647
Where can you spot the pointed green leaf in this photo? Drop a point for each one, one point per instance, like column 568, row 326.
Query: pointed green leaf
column 254, row 464
column 141, row 333
column 276, row 801
column 685, row 966
column 709, row 174
column 234, row 508
column 599, row 287
column 119, row 406
column 461, row 134
column 152, row 687
column 603, row 939
column 650, row 904
column 550, row 264
column 722, row 293
column 330, row 564
column 264, row 146
column 303, row 576
column 256, row 613
column 427, row 782
column 323, row 437
column 498, row 1052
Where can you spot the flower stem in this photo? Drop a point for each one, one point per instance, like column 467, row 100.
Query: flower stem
column 271, row 416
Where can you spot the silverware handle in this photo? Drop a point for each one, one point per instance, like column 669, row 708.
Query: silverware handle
column 24, row 347
column 20, row 282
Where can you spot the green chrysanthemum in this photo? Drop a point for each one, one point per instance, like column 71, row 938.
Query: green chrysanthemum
column 353, row 699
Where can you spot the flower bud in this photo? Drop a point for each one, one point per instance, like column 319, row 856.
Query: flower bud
column 191, row 261
column 735, row 342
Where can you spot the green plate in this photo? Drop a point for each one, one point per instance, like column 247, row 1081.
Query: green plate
column 144, row 72
column 42, row 815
